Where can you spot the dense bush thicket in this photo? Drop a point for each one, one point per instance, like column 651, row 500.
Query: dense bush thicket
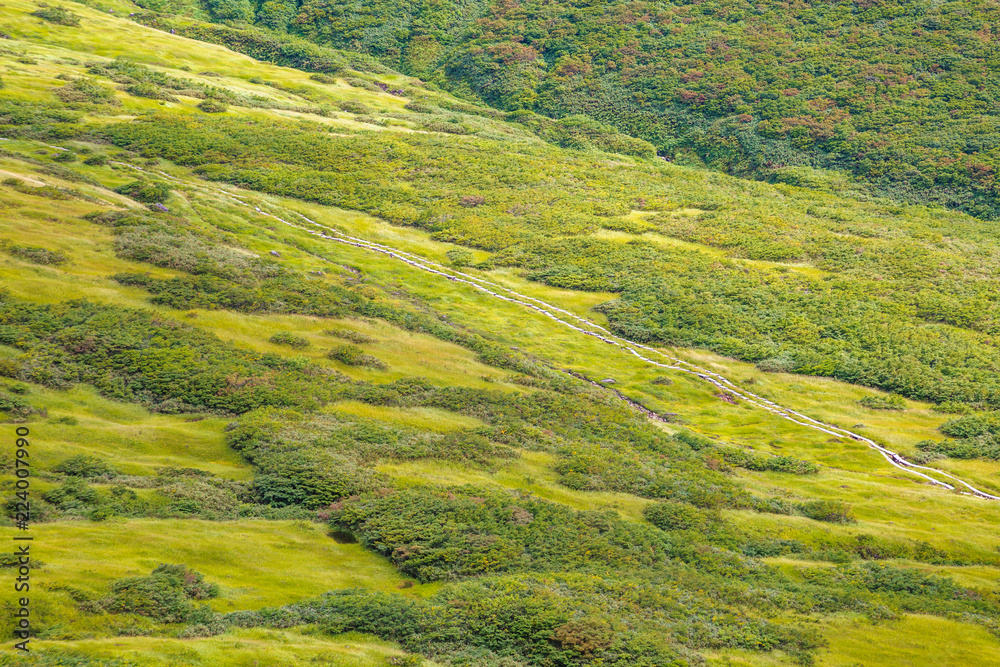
column 901, row 94
column 973, row 436
column 440, row 534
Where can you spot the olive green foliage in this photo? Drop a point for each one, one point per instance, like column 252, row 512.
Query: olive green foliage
column 289, row 339
column 459, row 257
column 84, row 465
column 47, row 191
column 213, row 106
column 583, row 133
column 347, row 334
column 751, row 460
column 435, row 534
column 34, row 254
column 143, row 81
column 73, row 495
column 238, row 11
column 523, row 580
column 96, row 160
column 265, row 45
column 225, row 278
column 673, row 515
column 491, row 623
column 974, row 436
column 882, row 403
column 85, row 91
column 166, row 595
column 323, row 78
column 57, row 14
column 14, row 408
column 155, row 192
column 352, row 355
column 902, row 95
column 827, row 510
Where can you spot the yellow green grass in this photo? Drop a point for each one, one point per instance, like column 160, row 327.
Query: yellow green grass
column 241, row 648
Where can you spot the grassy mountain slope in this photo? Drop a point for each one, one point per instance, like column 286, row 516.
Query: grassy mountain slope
column 902, row 94
column 528, row 493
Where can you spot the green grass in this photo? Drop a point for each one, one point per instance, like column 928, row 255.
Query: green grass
column 242, row 648
column 130, row 438
column 912, row 641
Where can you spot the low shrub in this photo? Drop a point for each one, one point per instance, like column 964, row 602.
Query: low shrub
column 460, row 257
column 147, row 192
column 882, row 403
column 165, row 595
column 354, row 107
column 289, row 339
column 36, row 254
column 673, row 515
column 84, row 465
column 348, row 334
column 832, row 511
column 324, row 77
column 212, row 105
column 355, row 356
column 58, row 15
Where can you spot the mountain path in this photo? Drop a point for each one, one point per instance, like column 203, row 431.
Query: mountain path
column 590, row 328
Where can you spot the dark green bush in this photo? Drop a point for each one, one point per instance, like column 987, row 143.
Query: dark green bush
column 85, row 91
column 326, row 78
column 58, row 15
column 72, row 496
column 355, row 356
column 147, row 192
column 37, row 255
column 882, row 403
column 84, row 465
column 354, row 107
column 165, row 595
column 673, row 515
column 289, row 339
column 348, row 334
column 832, row 511
column 213, row 106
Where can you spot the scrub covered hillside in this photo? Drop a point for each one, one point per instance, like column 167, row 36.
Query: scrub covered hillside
column 902, row 95
column 253, row 443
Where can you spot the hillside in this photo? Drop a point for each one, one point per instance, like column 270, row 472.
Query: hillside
column 901, row 95
column 324, row 365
